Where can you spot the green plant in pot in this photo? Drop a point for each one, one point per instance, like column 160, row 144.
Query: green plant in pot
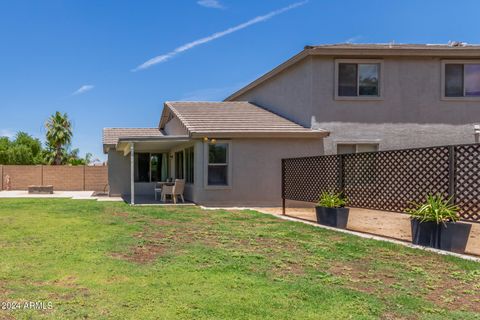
column 331, row 211
column 435, row 224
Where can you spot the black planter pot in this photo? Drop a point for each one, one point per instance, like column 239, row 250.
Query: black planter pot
column 450, row 236
column 333, row 217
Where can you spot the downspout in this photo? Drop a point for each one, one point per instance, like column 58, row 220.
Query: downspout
column 132, row 174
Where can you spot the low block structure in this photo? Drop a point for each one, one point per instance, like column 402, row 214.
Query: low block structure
column 40, row 189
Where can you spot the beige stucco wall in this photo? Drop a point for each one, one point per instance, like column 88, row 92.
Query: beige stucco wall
column 256, row 171
column 175, row 128
column 411, row 113
column 255, row 168
column 118, row 173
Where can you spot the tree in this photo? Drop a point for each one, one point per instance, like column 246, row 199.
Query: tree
column 59, row 136
column 24, row 149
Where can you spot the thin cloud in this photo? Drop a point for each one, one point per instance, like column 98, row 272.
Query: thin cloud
column 7, row 133
column 210, row 4
column 353, row 39
column 217, row 35
column 83, row 89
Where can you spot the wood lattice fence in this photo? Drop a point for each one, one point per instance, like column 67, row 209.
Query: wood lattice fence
column 389, row 180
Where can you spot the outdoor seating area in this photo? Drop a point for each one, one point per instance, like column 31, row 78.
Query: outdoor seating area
column 174, row 190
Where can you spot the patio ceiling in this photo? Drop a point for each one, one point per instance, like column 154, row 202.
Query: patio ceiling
column 151, row 144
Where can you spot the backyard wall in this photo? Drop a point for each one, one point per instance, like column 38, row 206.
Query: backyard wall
column 63, row 178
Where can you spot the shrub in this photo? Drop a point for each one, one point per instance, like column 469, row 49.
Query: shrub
column 435, row 209
column 331, row 200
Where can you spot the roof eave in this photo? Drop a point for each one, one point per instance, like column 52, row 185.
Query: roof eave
column 293, row 60
column 314, row 134
column 152, row 138
column 397, row 52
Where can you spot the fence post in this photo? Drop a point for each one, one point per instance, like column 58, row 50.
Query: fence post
column 451, row 173
column 341, row 181
column 283, row 186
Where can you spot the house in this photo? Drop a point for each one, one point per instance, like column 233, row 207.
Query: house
column 325, row 100
column 377, row 97
column 229, row 153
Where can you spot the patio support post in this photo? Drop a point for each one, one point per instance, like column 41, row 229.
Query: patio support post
column 283, row 186
column 132, row 174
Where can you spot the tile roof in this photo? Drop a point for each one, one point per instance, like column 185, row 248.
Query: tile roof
column 361, row 46
column 233, row 119
column 111, row 135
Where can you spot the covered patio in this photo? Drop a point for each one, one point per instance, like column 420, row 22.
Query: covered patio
column 154, row 162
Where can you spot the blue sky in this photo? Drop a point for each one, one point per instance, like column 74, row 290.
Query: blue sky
column 90, row 58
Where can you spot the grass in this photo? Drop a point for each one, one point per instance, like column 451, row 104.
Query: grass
column 109, row 260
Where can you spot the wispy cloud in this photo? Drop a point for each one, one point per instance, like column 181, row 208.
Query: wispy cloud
column 7, row 133
column 353, row 39
column 83, row 89
column 217, row 35
column 211, row 4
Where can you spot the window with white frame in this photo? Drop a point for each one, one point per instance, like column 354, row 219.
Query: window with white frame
column 358, row 79
column 217, row 167
column 345, row 148
column 461, row 79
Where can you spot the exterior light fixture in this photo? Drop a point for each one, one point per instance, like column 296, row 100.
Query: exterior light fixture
column 213, row 141
column 205, row 139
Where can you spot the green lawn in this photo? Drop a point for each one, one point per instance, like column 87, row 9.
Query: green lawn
column 109, row 260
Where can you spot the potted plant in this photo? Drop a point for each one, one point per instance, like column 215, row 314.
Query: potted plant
column 331, row 210
column 434, row 224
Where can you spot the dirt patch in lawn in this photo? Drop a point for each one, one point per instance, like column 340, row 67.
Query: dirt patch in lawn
column 121, row 214
column 148, row 249
column 431, row 280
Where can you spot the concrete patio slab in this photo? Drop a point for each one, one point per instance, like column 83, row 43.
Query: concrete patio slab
column 76, row 195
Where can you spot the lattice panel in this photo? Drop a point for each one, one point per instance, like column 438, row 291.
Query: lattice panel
column 305, row 178
column 390, row 180
column 467, row 181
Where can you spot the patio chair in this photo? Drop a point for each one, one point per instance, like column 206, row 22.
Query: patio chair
column 174, row 191
column 158, row 189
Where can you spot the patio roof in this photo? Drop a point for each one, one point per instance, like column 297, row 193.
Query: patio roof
column 111, row 136
column 232, row 120
column 152, row 144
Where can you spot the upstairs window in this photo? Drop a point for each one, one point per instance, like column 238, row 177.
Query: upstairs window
column 346, row 148
column 358, row 79
column 462, row 80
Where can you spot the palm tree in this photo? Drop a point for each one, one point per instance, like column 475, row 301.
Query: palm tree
column 59, row 135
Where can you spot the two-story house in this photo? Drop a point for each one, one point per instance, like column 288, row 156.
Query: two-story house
column 377, row 97
column 326, row 99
